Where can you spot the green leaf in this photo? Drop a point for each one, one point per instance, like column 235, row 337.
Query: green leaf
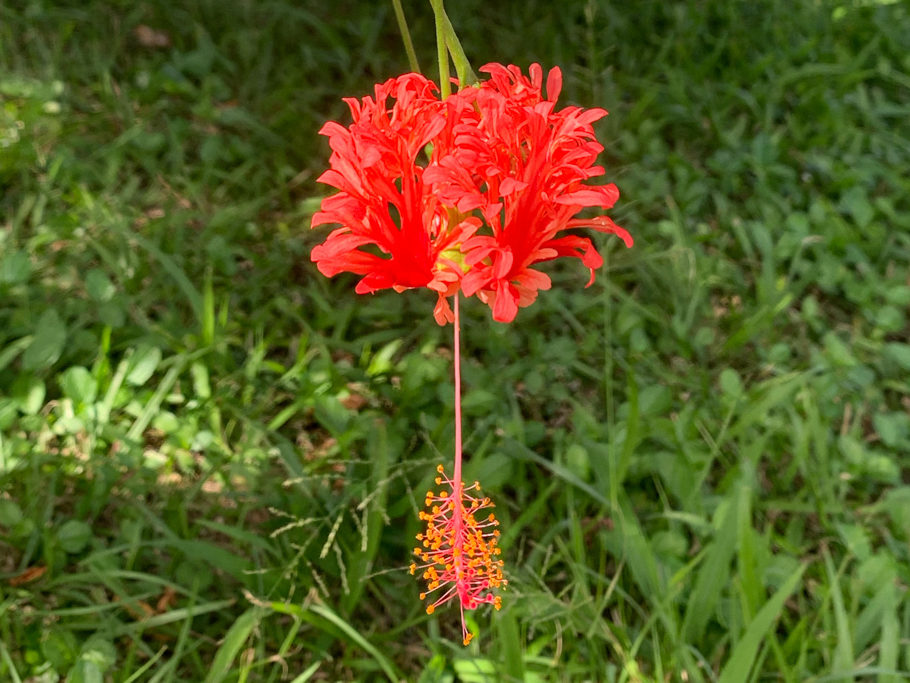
column 100, row 652
column 355, row 637
column 843, row 650
column 893, row 428
column 96, row 656
column 897, row 506
column 171, row 617
column 10, row 513
column 382, row 360
column 308, row 673
column 195, row 574
column 233, row 641
column 9, row 412
column 143, row 365
column 28, row 392
column 713, row 573
column 475, row 670
column 742, row 657
column 492, row 471
column 85, row 671
column 510, row 639
column 519, row 450
column 47, row 344
column 898, row 296
column 15, row 268
column 111, row 313
column 890, row 319
column 99, row 285
column 858, row 205
column 877, row 570
column 166, row 422
column 201, row 385
column 60, row 648
column 889, row 644
column 214, row 555
column 577, row 460
column 78, row 384
column 899, row 353
column 380, row 455
column 74, row 535
column 856, row 540
column 435, row 671
column 837, row 351
column 868, row 623
column 730, row 383
column 13, row 349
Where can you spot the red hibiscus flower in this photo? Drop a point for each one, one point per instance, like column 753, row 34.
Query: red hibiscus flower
column 416, row 174
column 395, row 232
column 522, row 164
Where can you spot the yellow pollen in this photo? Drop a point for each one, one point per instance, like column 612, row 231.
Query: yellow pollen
column 464, row 566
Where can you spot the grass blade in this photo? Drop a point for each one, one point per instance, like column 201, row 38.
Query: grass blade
column 889, row 643
column 744, row 652
column 355, row 637
column 307, row 673
column 843, row 652
column 715, row 572
column 233, row 641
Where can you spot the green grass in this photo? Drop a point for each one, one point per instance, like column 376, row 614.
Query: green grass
column 211, row 457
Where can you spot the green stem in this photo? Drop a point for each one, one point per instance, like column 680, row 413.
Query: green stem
column 466, row 75
column 442, row 53
column 406, row 36
column 447, row 43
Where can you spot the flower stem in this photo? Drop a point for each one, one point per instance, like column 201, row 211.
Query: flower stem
column 442, row 52
column 406, row 36
column 466, row 75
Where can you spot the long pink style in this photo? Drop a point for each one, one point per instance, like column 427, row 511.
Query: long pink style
column 458, row 517
column 459, row 548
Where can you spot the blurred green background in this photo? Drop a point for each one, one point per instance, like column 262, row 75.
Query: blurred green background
column 211, row 457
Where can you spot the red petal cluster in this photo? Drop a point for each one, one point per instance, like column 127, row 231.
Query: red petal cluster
column 378, row 164
column 416, row 174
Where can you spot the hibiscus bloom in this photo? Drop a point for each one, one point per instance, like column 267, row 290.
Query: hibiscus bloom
column 416, row 174
column 521, row 163
column 394, row 230
column 417, row 178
